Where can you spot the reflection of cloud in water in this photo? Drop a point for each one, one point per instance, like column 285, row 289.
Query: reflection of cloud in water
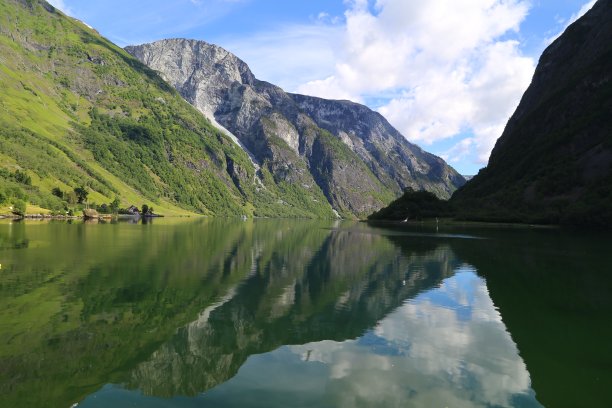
column 446, row 347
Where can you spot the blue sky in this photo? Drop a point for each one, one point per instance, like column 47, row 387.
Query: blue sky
column 446, row 73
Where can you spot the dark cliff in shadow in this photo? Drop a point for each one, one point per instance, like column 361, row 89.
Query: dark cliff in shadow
column 553, row 162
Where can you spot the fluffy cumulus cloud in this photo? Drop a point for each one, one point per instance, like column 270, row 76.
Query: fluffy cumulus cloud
column 450, row 67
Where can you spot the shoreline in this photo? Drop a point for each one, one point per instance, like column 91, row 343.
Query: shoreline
column 76, row 217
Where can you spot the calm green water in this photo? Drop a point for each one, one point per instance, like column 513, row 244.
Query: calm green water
column 278, row 313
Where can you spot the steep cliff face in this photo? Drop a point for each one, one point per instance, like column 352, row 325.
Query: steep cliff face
column 553, row 162
column 386, row 152
column 351, row 153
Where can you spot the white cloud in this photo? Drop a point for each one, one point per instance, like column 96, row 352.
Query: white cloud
column 453, row 62
column 60, row 4
column 459, row 151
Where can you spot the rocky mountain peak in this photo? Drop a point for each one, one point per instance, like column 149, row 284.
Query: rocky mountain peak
column 200, row 71
column 349, row 152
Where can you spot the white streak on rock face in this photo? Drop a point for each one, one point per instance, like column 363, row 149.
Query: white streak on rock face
column 202, row 73
column 286, row 131
column 233, row 137
column 346, row 139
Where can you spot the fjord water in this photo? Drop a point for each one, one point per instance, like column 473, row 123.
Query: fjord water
column 285, row 313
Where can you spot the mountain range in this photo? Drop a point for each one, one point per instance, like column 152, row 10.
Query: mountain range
column 77, row 111
column 350, row 152
column 185, row 126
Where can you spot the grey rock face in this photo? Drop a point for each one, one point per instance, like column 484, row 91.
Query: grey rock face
column 386, row 152
column 350, row 152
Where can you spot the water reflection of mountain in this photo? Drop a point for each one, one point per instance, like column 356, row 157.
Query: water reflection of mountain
column 445, row 347
column 85, row 305
column 295, row 295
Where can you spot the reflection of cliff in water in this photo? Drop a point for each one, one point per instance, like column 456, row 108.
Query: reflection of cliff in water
column 114, row 298
column 553, row 290
column 295, row 294
column 555, row 296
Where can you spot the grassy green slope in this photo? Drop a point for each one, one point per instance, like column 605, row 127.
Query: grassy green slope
column 77, row 110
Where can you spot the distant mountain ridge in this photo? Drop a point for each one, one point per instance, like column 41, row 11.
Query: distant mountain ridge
column 349, row 152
